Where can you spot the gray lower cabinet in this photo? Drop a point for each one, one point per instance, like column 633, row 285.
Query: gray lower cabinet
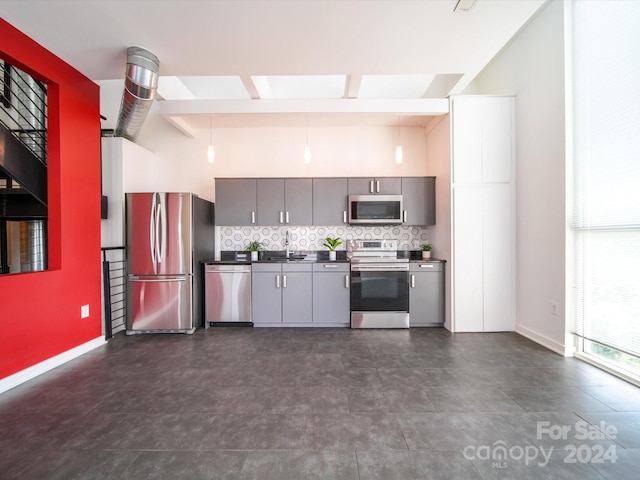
column 331, row 294
column 419, row 200
column 281, row 293
column 330, row 201
column 236, row 201
column 426, row 295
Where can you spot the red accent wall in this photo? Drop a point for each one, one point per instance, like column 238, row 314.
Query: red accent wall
column 40, row 311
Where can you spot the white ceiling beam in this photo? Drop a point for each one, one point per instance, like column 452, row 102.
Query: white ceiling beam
column 423, row 106
column 180, row 124
column 250, row 86
column 442, row 85
column 261, row 84
column 352, row 87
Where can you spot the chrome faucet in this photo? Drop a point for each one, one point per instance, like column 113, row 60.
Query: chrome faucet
column 286, row 243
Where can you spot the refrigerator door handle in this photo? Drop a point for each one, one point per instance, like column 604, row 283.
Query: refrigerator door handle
column 156, row 279
column 152, row 234
column 161, row 225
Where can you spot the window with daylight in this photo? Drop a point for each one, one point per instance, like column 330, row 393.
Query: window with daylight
column 606, row 182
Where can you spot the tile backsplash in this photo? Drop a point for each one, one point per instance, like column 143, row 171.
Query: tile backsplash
column 312, row 237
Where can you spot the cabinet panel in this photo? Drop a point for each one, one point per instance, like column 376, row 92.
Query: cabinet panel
column 270, row 201
column 380, row 185
column 468, row 259
column 467, row 140
column 497, row 139
column 266, row 297
column 331, row 294
column 297, row 305
column 426, row 295
column 298, row 201
column 235, row 201
column 498, row 258
column 418, row 197
column 329, row 201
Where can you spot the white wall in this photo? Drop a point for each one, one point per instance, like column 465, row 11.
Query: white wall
column 532, row 68
column 438, row 154
column 181, row 162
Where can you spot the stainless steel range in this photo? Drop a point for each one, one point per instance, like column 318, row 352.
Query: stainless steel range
column 379, row 284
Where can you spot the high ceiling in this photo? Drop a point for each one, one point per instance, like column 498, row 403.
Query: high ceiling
column 379, row 59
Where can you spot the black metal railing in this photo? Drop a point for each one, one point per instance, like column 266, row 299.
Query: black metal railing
column 23, row 108
column 114, row 289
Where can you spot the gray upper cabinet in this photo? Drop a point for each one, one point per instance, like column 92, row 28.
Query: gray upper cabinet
column 270, row 195
column 298, row 201
column 330, row 201
column 236, row 201
column 419, row 200
column 375, row 186
column 284, row 201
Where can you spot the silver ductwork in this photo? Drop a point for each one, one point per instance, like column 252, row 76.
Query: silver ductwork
column 140, row 86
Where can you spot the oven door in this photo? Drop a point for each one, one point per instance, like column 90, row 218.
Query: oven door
column 380, row 288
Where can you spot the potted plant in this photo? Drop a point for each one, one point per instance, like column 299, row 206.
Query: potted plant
column 332, row 244
column 426, row 250
column 254, row 247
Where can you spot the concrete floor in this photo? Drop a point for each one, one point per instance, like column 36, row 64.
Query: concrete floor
column 243, row 403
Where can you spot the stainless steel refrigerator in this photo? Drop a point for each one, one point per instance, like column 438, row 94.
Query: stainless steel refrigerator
column 168, row 235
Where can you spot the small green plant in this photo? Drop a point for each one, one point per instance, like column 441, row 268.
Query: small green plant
column 332, row 243
column 254, row 246
column 426, row 247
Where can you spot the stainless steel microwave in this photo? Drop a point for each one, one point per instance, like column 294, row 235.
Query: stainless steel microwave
column 375, row 209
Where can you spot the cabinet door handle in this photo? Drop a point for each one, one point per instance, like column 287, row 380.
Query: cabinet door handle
column 277, row 281
column 371, row 186
column 377, row 186
column 253, row 217
column 346, row 281
column 404, row 216
column 284, row 281
column 331, row 266
column 344, row 216
column 286, row 217
column 413, row 281
column 426, row 265
column 281, row 218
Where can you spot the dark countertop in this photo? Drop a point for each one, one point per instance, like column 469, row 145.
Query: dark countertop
column 234, row 258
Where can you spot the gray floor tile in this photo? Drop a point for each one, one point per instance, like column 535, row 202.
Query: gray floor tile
column 624, row 466
column 442, row 465
column 416, row 377
column 390, row 400
column 472, row 399
column 223, row 400
column 535, row 468
column 298, row 465
column 255, row 432
column 306, row 400
column 448, row 431
column 620, row 396
column 554, row 399
column 356, row 431
column 352, row 377
column 625, row 425
column 172, row 465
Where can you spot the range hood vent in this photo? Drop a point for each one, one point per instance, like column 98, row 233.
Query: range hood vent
column 140, row 86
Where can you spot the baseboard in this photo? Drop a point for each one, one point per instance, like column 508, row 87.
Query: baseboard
column 541, row 339
column 27, row 374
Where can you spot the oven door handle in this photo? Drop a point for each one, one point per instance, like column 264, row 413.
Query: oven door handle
column 380, row 268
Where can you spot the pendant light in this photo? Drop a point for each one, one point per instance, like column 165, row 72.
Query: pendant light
column 307, row 149
column 399, row 154
column 211, row 152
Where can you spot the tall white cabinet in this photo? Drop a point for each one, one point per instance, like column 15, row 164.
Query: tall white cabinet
column 483, row 213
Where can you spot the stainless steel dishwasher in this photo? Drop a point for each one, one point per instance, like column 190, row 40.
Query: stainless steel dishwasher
column 227, row 294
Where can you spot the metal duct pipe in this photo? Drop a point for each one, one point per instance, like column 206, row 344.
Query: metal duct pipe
column 140, row 86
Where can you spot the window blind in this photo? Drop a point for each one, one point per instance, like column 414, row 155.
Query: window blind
column 606, row 177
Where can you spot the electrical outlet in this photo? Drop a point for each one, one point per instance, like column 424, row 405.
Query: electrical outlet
column 84, row 311
column 554, row 308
